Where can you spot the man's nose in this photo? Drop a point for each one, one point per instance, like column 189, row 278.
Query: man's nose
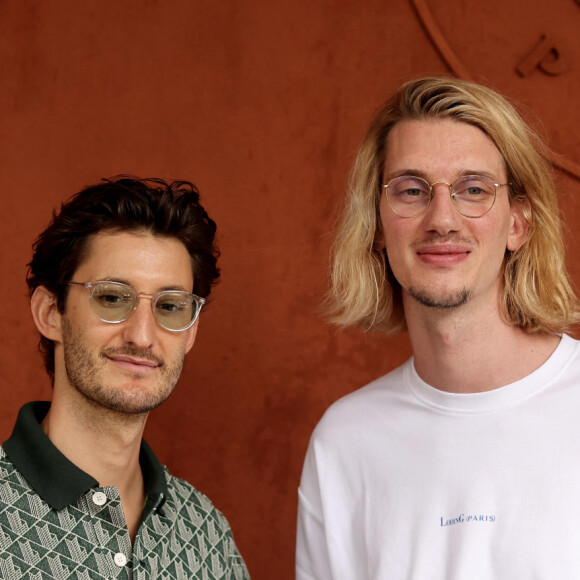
column 441, row 215
column 141, row 327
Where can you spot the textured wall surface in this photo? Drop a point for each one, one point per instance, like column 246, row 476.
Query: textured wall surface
column 261, row 104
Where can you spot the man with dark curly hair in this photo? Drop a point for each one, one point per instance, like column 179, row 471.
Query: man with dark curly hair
column 117, row 282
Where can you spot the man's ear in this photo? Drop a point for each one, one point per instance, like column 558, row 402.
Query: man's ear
column 45, row 314
column 518, row 234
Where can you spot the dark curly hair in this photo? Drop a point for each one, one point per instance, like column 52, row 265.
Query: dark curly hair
column 122, row 203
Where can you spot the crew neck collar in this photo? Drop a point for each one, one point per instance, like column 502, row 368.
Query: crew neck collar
column 495, row 399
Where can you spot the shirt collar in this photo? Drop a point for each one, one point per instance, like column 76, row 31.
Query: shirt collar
column 52, row 476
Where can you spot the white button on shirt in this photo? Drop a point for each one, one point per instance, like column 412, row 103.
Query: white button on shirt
column 120, row 559
column 99, row 498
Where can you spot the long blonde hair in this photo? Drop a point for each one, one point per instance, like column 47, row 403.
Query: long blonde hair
column 537, row 294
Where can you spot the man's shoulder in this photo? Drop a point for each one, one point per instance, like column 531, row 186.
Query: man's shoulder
column 376, row 399
column 191, row 504
column 563, row 366
column 8, row 471
column 190, row 509
column 380, row 390
column 182, row 491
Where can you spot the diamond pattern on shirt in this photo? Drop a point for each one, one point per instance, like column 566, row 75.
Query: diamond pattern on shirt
column 183, row 537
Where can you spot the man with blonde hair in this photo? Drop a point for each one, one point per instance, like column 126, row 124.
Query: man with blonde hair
column 462, row 463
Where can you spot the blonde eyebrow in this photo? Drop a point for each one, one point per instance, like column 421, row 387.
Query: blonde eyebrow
column 423, row 175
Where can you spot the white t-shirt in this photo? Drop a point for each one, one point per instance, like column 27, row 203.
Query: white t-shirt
column 403, row 481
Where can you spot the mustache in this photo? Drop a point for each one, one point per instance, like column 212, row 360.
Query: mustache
column 133, row 351
column 451, row 238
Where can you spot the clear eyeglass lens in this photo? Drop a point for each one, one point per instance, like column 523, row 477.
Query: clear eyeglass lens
column 473, row 195
column 408, row 195
column 175, row 310
column 114, row 302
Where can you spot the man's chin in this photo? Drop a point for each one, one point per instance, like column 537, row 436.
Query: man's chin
column 441, row 301
column 132, row 397
column 131, row 406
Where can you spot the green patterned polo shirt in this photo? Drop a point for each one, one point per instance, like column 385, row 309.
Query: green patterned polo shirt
column 57, row 523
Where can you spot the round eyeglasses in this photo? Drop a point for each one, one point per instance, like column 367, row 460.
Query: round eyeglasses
column 114, row 302
column 472, row 195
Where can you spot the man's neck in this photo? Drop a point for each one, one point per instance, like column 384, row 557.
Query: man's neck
column 467, row 350
column 102, row 443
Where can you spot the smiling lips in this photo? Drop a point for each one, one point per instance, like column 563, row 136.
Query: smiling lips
column 443, row 254
column 134, row 364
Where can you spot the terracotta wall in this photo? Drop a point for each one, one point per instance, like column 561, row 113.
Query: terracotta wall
column 262, row 104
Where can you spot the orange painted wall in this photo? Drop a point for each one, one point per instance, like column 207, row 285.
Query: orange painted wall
column 262, row 104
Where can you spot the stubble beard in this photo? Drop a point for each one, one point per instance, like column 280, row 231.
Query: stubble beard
column 449, row 302
column 84, row 373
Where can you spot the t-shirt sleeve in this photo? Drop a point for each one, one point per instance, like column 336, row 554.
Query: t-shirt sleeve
column 312, row 560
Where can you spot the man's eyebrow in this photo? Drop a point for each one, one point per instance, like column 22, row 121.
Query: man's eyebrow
column 114, row 279
column 409, row 172
column 127, row 283
column 418, row 173
column 174, row 287
column 480, row 172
